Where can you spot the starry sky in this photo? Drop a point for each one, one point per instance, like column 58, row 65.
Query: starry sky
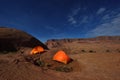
column 56, row 19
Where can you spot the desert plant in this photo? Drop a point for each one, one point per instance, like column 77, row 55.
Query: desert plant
column 64, row 69
column 48, row 65
column 83, row 50
column 91, row 51
column 43, row 64
column 107, row 50
column 119, row 51
column 39, row 63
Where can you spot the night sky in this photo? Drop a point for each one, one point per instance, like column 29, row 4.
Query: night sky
column 56, row 19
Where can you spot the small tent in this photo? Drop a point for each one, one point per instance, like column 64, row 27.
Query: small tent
column 37, row 49
column 62, row 57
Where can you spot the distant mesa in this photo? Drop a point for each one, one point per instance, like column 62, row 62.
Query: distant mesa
column 54, row 43
column 12, row 40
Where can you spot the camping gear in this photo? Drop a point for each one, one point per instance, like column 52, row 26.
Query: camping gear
column 62, row 57
column 37, row 49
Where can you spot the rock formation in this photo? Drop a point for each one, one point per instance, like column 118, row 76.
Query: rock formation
column 12, row 40
column 53, row 43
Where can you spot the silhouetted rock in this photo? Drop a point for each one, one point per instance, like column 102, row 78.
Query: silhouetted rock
column 12, row 40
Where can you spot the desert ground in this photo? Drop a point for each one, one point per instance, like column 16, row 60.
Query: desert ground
column 90, row 61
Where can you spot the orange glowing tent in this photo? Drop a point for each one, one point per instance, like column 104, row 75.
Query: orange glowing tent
column 37, row 49
column 62, row 57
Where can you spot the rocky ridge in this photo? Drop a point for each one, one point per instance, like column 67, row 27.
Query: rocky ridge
column 53, row 43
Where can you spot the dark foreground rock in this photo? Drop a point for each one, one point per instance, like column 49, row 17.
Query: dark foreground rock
column 13, row 39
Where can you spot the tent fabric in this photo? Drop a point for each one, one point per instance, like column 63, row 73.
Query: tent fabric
column 62, row 57
column 37, row 49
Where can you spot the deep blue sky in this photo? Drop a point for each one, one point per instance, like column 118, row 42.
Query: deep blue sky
column 51, row 19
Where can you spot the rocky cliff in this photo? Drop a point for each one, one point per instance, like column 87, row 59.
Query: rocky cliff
column 12, row 40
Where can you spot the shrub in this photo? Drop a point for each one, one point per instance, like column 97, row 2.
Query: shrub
column 39, row 63
column 42, row 63
column 64, row 69
column 107, row 50
column 119, row 51
column 91, row 51
column 83, row 50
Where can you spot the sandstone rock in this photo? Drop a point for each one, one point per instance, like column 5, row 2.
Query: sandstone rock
column 12, row 40
column 53, row 43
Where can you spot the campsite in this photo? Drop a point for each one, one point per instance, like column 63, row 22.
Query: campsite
column 59, row 39
column 23, row 57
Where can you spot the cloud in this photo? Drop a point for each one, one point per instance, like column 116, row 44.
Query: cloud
column 106, row 17
column 75, row 11
column 100, row 10
column 84, row 20
column 112, row 27
column 71, row 17
column 51, row 28
column 72, row 20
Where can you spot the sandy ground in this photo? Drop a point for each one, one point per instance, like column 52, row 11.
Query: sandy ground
column 103, row 63
column 92, row 66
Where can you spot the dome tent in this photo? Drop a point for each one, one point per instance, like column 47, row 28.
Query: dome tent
column 62, row 57
column 37, row 49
